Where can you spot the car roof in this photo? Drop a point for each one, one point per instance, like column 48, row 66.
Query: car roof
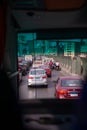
column 70, row 77
column 44, row 66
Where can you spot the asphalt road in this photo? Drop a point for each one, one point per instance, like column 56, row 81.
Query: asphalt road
column 39, row 92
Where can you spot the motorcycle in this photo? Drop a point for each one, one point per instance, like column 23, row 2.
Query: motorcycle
column 57, row 67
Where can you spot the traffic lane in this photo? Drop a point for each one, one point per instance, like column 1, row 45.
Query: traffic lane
column 38, row 92
column 43, row 92
column 50, row 90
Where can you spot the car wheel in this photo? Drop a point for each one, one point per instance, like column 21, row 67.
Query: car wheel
column 29, row 86
column 50, row 76
column 55, row 94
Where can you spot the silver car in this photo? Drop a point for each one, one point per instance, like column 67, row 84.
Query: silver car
column 37, row 77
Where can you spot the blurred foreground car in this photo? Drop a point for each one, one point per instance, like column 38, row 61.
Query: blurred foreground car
column 37, row 77
column 47, row 69
column 69, row 87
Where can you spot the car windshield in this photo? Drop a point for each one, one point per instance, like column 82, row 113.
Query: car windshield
column 71, row 83
column 37, row 72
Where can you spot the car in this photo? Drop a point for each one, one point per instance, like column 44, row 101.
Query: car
column 37, row 63
column 47, row 69
column 68, row 87
column 38, row 58
column 37, row 77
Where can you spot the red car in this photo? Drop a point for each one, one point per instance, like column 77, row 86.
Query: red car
column 47, row 69
column 69, row 87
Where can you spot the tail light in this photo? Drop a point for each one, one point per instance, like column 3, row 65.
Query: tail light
column 62, row 92
column 48, row 70
column 30, row 77
column 44, row 77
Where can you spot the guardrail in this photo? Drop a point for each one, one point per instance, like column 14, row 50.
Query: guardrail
column 74, row 65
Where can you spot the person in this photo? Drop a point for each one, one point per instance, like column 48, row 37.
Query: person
column 50, row 63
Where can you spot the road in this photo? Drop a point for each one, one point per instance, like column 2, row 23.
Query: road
column 39, row 92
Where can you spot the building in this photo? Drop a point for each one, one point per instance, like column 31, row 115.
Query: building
column 71, row 47
column 83, row 49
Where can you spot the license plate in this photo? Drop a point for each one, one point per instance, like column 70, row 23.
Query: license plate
column 37, row 77
column 73, row 94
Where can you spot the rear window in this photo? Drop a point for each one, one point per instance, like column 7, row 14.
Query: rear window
column 36, row 72
column 38, row 62
column 45, row 67
column 71, row 83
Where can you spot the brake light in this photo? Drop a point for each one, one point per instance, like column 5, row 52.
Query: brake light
column 62, row 92
column 30, row 77
column 44, row 77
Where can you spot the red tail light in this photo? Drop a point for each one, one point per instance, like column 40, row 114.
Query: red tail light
column 44, row 77
column 62, row 92
column 30, row 77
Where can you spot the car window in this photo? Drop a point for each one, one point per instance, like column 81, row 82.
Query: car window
column 71, row 83
column 37, row 62
column 45, row 67
column 36, row 72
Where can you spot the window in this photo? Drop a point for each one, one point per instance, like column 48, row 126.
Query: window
column 71, row 83
column 36, row 72
column 44, row 48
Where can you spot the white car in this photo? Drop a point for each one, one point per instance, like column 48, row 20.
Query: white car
column 37, row 77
